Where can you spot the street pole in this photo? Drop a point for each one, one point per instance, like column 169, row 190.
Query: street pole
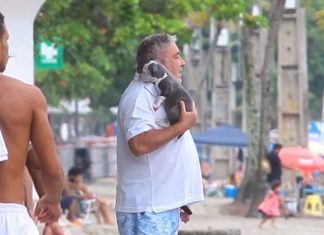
column 222, row 81
column 292, row 77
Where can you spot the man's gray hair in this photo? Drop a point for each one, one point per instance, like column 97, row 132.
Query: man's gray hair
column 150, row 48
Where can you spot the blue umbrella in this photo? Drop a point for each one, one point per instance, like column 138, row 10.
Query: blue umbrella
column 224, row 135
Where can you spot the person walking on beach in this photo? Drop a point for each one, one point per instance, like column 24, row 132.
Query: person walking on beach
column 275, row 163
column 157, row 172
column 23, row 119
column 270, row 206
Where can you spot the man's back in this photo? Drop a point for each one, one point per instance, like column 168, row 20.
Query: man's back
column 18, row 107
column 15, row 120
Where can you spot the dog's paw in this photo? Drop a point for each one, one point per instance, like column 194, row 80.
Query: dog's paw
column 156, row 107
column 158, row 102
column 163, row 123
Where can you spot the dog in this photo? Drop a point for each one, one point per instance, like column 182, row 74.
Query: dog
column 169, row 88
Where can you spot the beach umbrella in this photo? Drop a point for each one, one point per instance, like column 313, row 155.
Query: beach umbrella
column 300, row 158
column 224, row 135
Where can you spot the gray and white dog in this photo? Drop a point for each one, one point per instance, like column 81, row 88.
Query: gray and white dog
column 169, row 88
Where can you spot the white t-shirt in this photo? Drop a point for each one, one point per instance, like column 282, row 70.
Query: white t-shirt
column 164, row 179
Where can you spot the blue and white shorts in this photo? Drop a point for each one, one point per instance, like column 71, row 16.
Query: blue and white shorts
column 149, row 223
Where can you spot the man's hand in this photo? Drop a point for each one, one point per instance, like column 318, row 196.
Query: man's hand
column 47, row 211
column 187, row 119
column 184, row 216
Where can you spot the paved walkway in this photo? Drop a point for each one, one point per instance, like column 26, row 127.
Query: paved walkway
column 207, row 216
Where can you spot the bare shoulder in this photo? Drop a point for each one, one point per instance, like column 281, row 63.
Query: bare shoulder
column 15, row 88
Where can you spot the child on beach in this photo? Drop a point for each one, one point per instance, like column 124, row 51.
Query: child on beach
column 270, row 206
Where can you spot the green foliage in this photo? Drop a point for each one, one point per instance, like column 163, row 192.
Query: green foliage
column 319, row 18
column 255, row 21
column 315, row 52
column 100, row 38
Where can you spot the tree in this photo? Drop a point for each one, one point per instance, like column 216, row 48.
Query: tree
column 99, row 38
column 258, row 109
column 315, row 50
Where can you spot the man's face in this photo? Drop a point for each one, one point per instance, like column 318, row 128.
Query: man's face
column 4, row 48
column 76, row 181
column 170, row 57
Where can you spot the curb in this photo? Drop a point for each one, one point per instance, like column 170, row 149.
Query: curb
column 213, row 232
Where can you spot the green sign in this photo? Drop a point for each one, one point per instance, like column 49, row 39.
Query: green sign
column 50, row 55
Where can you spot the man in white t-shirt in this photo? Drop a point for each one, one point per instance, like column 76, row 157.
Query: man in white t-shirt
column 157, row 172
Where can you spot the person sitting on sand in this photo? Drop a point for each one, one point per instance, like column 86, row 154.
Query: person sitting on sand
column 211, row 186
column 76, row 188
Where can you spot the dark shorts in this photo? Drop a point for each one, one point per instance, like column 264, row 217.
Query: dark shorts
column 66, row 202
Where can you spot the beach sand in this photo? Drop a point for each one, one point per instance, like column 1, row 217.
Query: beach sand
column 209, row 215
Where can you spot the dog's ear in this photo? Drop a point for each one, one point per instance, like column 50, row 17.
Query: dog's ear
column 153, row 70
column 156, row 70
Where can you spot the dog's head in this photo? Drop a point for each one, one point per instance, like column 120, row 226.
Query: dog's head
column 151, row 72
column 160, row 75
column 156, row 70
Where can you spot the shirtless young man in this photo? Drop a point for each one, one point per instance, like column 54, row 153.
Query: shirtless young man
column 23, row 118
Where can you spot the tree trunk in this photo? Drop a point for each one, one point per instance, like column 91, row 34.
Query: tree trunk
column 258, row 106
column 275, row 16
column 254, row 180
column 76, row 118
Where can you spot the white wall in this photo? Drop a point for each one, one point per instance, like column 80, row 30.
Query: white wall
column 19, row 18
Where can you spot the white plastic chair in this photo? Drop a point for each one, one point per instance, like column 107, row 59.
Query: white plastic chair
column 89, row 207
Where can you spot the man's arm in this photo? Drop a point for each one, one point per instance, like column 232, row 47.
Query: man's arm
column 51, row 171
column 86, row 193
column 28, row 192
column 155, row 138
column 34, row 169
column 44, row 145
